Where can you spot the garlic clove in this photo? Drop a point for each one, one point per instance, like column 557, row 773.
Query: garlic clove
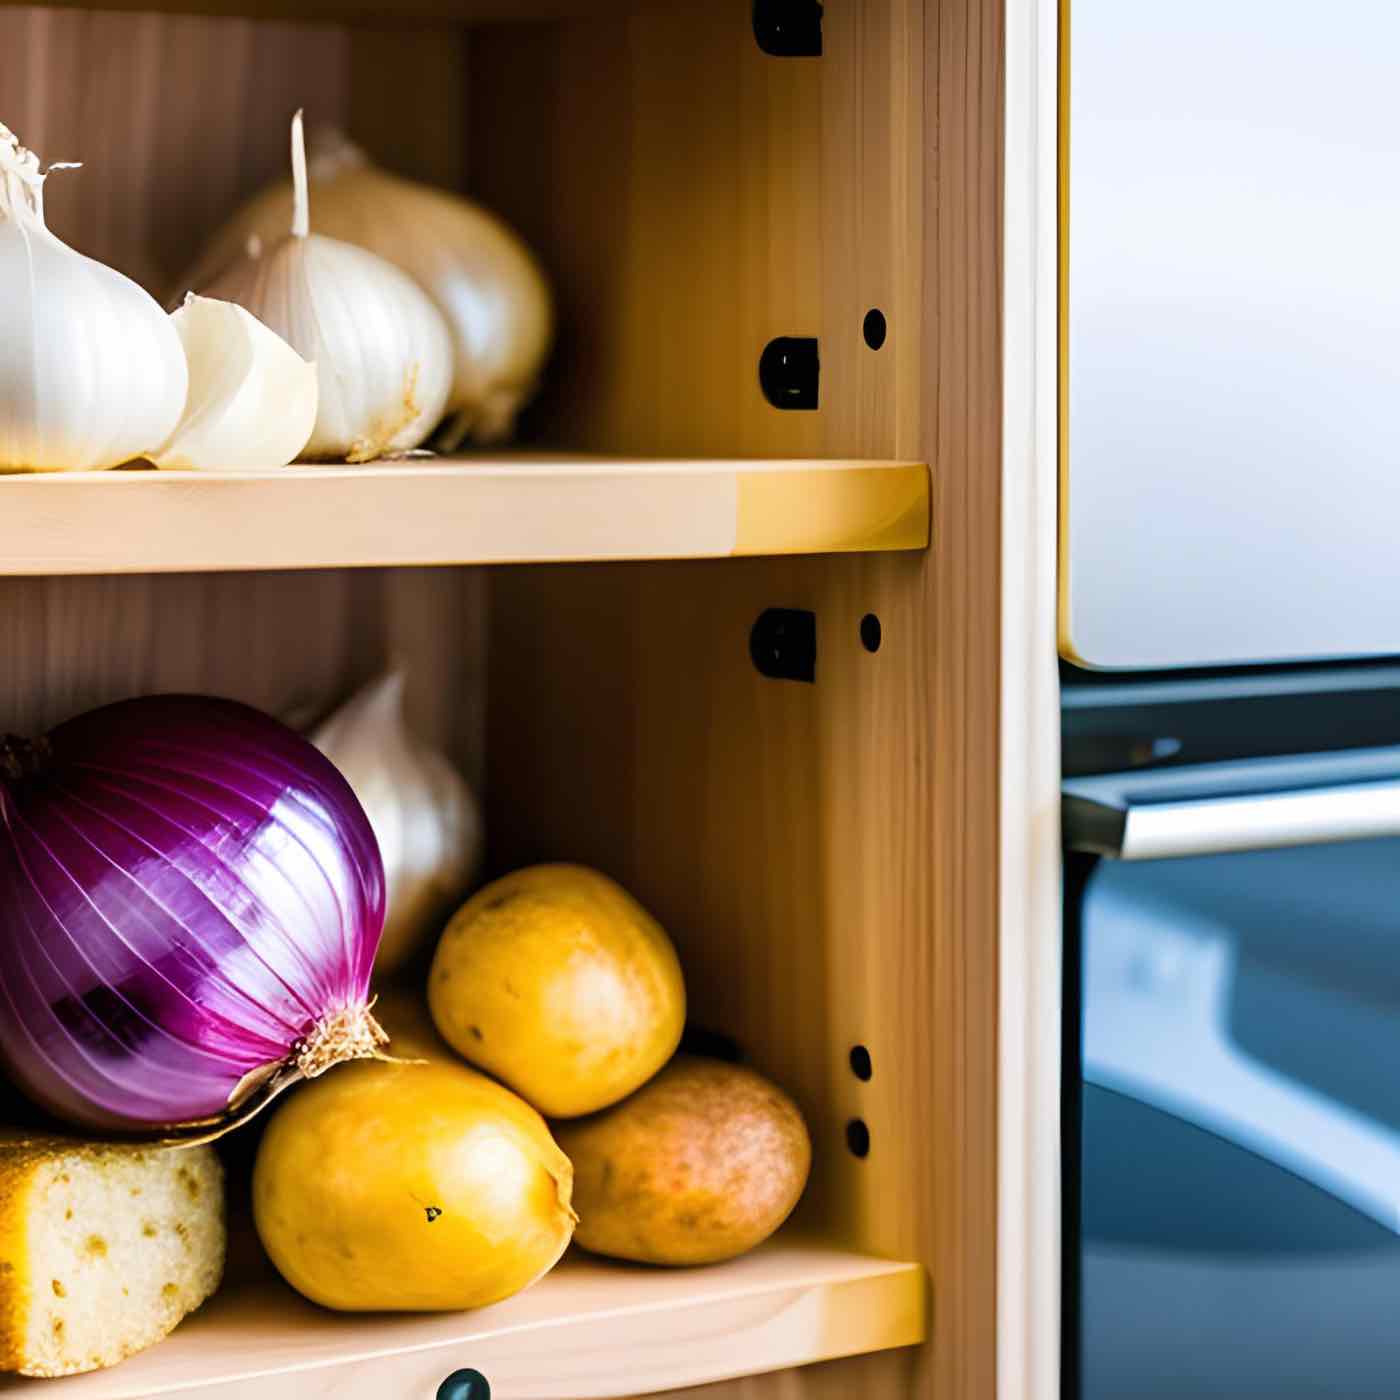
column 386, row 350
column 91, row 371
column 252, row 399
column 423, row 812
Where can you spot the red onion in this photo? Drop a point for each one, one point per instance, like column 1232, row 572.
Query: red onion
column 190, row 902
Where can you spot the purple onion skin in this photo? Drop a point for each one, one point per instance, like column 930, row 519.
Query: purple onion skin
column 187, row 887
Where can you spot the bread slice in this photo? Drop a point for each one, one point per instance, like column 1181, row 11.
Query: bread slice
column 103, row 1248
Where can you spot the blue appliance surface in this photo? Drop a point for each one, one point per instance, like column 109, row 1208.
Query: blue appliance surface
column 1239, row 1138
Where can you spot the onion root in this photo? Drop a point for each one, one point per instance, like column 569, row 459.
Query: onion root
column 351, row 1033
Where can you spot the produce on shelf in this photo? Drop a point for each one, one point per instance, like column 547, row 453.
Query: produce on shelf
column 382, row 350
column 252, row 398
column 424, row 815
column 190, row 902
column 91, row 369
column 479, row 273
column 103, row 1249
column 557, row 981
column 703, row 1163
column 410, row 1185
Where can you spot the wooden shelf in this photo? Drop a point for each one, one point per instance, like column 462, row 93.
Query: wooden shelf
column 469, row 511
column 590, row 1329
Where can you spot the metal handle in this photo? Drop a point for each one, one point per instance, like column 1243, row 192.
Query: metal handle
column 1251, row 804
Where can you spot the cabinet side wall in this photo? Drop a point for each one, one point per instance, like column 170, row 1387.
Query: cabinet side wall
column 825, row 854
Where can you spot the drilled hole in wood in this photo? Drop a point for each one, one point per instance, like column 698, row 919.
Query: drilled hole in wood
column 870, row 632
column 860, row 1063
column 858, row 1137
column 874, row 328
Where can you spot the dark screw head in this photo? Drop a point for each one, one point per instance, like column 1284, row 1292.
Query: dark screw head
column 871, row 632
column 874, row 328
column 860, row 1063
column 465, row 1385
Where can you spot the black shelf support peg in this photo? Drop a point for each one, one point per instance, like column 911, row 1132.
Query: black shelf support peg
column 788, row 28
column 788, row 371
column 783, row 644
column 466, row 1384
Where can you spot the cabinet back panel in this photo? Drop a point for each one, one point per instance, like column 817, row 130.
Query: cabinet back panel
column 179, row 118
column 175, row 119
column 295, row 644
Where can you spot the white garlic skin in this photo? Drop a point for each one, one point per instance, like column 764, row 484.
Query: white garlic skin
column 478, row 271
column 91, row 370
column 252, row 399
column 381, row 349
column 423, row 813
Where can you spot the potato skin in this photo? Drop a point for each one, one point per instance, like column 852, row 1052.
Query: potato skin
column 410, row 1186
column 703, row 1163
column 557, row 981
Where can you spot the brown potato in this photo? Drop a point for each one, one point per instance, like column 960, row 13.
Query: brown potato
column 701, row 1164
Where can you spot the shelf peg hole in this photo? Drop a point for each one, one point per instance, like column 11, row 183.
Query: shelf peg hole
column 874, row 328
column 465, row 1385
column 860, row 1064
column 871, row 632
column 858, row 1137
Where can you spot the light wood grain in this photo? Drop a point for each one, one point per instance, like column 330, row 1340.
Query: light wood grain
column 833, row 845
column 478, row 511
column 175, row 118
column 178, row 118
column 590, row 1329
column 292, row 644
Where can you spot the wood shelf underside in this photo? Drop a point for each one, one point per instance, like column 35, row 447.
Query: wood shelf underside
column 590, row 1329
column 481, row 511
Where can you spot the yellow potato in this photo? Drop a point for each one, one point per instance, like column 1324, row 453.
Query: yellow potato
column 410, row 1186
column 557, row 981
column 702, row 1164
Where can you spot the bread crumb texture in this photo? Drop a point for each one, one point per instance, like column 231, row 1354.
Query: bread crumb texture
column 88, row 1274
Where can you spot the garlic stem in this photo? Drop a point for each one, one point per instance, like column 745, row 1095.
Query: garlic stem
column 301, row 208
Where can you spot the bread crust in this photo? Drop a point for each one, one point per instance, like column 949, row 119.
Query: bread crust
column 21, row 1158
column 18, row 1161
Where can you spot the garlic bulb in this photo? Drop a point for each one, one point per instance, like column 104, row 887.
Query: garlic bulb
column 479, row 273
column 252, row 398
column 382, row 351
column 423, row 813
column 91, row 370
